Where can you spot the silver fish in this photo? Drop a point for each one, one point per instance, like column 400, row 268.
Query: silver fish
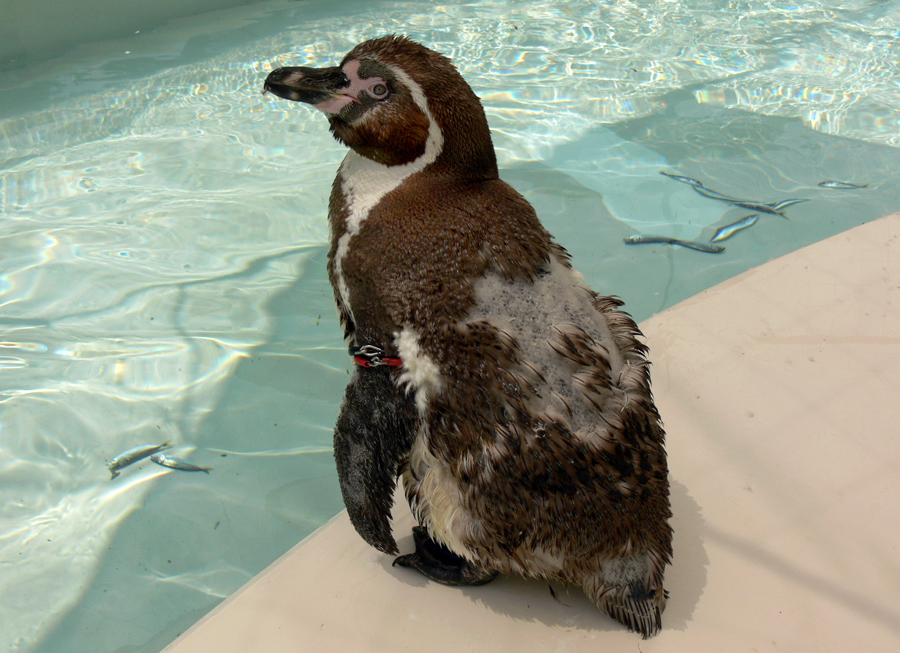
column 758, row 206
column 843, row 185
column 177, row 463
column 642, row 239
column 682, row 179
column 783, row 204
column 713, row 195
column 775, row 208
column 729, row 230
column 133, row 455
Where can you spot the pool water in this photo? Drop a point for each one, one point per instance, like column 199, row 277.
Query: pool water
column 162, row 266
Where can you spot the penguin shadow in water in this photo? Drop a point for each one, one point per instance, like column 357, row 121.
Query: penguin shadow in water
column 531, row 599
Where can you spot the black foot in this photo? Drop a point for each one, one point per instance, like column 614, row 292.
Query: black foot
column 441, row 565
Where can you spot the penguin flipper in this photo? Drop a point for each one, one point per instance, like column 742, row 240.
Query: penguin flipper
column 440, row 564
column 372, row 437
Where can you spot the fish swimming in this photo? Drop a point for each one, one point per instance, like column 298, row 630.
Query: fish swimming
column 133, row 455
column 783, row 204
column 774, row 208
column 843, row 185
column 177, row 463
column 713, row 195
column 682, row 179
column 729, row 230
column 758, row 206
column 641, row 239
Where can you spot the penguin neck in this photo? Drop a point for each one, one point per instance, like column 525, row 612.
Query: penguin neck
column 364, row 181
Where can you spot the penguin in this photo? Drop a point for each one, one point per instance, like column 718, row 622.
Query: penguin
column 513, row 401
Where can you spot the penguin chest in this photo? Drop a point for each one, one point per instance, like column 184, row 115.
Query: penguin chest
column 360, row 186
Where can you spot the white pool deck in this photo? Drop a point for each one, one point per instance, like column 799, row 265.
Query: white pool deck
column 779, row 390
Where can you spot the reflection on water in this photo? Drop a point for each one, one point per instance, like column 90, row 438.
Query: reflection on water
column 162, row 271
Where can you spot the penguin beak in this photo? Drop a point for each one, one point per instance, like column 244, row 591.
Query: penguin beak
column 320, row 87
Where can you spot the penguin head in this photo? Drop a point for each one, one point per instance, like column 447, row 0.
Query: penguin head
column 394, row 101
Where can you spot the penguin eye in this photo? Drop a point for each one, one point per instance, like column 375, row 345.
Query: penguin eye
column 379, row 91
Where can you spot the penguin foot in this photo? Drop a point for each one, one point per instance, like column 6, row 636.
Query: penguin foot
column 440, row 564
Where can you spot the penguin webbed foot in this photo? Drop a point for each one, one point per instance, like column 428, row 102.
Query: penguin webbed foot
column 440, row 564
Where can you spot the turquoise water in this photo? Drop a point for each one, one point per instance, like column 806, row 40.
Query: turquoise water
column 162, row 240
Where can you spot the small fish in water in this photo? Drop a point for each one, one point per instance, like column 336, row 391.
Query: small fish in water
column 783, row 204
column 758, row 206
column 843, row 185
column 642, row 239
column 775, row 208
column 133, row 455
column 682, row 179
column 722, row 233
column 177, row 463
column 713, row 195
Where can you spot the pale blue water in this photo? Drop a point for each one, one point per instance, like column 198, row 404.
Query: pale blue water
column 162, row 239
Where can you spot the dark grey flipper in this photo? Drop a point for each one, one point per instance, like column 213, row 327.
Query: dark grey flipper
column 373, row 435
column 441, row 565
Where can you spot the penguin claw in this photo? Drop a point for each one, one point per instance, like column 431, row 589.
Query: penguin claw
column 440, row 564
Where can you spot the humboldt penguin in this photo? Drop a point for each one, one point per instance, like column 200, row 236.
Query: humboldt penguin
column 513, row 400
